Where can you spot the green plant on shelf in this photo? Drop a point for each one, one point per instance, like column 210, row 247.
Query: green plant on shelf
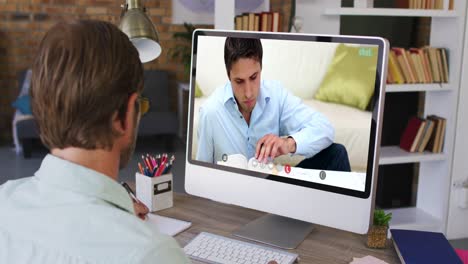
column 381, row 218
column 183, row 51
column 377, row 235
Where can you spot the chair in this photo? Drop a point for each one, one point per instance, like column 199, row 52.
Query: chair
column 24, row 127
column 158, row 121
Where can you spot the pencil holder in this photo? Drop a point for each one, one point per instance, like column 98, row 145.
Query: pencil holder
column 154, row 192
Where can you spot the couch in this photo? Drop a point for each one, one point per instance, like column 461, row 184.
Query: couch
column 158, row 121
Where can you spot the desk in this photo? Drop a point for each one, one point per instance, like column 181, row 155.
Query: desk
column 323, row 245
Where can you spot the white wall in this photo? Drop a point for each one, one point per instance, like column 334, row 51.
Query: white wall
column 300, row 66
column 457, row 223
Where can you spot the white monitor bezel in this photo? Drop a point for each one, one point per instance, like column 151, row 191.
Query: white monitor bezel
column 237, row 186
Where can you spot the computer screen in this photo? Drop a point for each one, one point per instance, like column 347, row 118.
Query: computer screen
column 300, row 110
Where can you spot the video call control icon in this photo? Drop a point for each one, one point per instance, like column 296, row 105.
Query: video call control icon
column 271, row 165
column 254, row 163
column 322, row 175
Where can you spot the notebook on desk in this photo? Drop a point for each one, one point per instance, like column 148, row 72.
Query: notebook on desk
column 166, row 225
column 414, row 247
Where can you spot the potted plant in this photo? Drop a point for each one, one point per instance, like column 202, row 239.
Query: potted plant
column 183, row 51
column 377, row 236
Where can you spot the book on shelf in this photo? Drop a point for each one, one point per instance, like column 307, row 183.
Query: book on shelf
column 245, row 21
column 251, row 25
column 402, row 3
column 419, row 136
column 432, row 54
column 423, row 247
column 427, row 63
column 256, row 22
column 276, row 22
column 410, row 133
column 418, row 65
column 264, row 21
column 427, row 66
column 429, row 127
column 426, row 4
column 439, row 66
column 445, row 64
column 437, row 140
column 238, row 23
column 423, row 4
column 412, row 66
column 403, row 63
column 429, row 4
column 442, row 135
column 424, row 134
column 432, row 144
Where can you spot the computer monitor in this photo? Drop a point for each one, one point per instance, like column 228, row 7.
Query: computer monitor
column 287, row 124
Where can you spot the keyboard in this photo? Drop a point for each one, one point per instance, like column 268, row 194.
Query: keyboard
column 210, row 248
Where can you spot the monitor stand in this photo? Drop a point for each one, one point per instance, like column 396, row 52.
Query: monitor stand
column 275, row 230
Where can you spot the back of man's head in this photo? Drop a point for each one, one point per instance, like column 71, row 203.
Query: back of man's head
column 241, row 48
column 83, row 74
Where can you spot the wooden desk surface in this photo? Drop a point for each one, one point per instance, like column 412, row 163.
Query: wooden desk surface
column 323, row 245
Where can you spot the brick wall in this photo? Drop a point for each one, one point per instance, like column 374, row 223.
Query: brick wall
column 24, row 22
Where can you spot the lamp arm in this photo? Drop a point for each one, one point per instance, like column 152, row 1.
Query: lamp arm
column 134, row 4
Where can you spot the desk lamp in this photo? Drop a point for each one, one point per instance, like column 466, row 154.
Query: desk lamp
column 140, row 30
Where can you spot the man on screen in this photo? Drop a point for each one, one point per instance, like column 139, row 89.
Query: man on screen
column 259, row 118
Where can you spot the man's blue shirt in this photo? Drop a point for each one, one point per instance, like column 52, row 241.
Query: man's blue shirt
column 223, row 130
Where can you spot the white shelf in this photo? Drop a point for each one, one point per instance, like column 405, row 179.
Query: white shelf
column 414, row 219
column 418, row 87
column 395, row 155
column 351, row 11
column 435, row 209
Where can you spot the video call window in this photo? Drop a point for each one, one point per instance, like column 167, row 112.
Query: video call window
column 314, row 98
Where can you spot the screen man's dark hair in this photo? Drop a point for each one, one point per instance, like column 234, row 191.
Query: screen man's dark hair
column 238, row 48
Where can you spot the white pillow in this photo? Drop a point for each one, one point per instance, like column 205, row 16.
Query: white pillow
column 300, row 66
column 211, row 71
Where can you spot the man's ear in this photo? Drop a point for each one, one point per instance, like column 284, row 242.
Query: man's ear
column 127, row 123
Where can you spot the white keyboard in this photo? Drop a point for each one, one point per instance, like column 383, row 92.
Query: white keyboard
column 212, row 248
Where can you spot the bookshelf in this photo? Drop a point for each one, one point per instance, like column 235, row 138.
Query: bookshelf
column 422, row 87
column 431, row 212
column 225, row 13
column 395, row 155
column 349, row 11
column 415, row 219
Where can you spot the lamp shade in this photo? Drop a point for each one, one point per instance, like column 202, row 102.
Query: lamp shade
column 141, row 32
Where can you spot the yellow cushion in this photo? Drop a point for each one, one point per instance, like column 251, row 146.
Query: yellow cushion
column 350, row 77
column 198, row 91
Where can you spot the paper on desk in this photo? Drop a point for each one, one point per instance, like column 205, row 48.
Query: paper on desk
column 367, row 260
column 166, row 225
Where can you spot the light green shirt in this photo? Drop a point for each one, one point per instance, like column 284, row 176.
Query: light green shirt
column 67, row 213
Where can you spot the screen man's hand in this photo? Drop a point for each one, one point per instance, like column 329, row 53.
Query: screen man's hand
column 273, row 146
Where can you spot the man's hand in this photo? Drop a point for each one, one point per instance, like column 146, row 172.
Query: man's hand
column 274, row 146
column 140, row 209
